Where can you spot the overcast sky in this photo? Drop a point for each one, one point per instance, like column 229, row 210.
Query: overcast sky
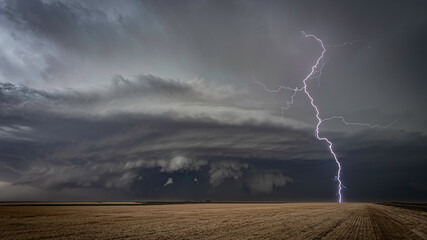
column 156, row 100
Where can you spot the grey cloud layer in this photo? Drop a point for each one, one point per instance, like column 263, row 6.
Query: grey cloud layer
column 89, row 147
column 47, row 147
column 80, row 44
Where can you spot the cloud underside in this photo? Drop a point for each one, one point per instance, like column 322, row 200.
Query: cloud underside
column 90, row 139
column 66, row 140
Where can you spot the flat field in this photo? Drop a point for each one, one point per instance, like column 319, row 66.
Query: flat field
column 212, row 221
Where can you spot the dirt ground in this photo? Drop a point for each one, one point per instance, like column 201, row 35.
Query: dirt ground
column 214, row 221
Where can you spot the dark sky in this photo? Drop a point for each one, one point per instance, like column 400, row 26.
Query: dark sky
column 155, row 100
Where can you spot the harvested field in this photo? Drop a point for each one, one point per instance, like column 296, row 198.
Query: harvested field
column 214, row 221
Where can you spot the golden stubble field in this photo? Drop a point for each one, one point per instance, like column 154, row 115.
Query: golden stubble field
column 214, row 221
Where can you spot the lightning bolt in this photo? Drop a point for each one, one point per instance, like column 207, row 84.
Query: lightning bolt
column 360, row 124
column 316, row 72
column 349, row 43
column 319, row 120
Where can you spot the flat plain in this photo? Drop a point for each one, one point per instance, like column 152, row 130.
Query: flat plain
column 212, row 221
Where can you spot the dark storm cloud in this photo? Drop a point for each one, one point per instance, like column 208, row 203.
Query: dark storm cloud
column 58, row 150
column 109, row 149
column 110, row 96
